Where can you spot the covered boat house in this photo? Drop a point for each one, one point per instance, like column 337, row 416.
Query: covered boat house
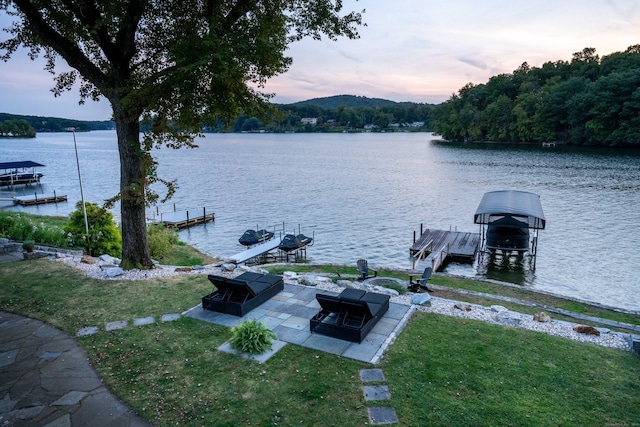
column 506, row 218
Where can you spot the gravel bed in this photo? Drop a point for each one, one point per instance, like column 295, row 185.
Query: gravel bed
column 494, row 314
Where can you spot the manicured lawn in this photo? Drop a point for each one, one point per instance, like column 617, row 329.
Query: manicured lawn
column 440, row 371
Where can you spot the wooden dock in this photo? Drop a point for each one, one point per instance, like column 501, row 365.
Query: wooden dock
column 185, row 219
column 434, row 247
column 38, row 199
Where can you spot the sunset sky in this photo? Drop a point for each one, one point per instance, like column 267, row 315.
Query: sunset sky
column 410, row 50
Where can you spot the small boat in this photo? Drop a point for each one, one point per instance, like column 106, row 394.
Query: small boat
column 292, row 242
column 253, row 237
column 14, row 176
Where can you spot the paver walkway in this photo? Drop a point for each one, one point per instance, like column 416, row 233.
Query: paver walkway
column 46, row 380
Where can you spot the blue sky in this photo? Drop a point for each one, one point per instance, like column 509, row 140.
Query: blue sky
column 410, row 50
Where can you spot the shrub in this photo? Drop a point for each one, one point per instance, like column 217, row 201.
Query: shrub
column 28, row 245
column 161, row 239
column 104, row 236
column 252, row 337
column 20, row 226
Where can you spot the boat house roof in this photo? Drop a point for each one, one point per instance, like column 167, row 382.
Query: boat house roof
column 18, row 165
column 523, row 205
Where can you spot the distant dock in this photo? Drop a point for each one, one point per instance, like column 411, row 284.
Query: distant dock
column 185, row 218
column 433, row 248
column 35, row 199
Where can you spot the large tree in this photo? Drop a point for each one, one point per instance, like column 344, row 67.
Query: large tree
column 176, row 63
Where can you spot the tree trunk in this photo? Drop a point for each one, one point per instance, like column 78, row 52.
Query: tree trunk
column 135, row 248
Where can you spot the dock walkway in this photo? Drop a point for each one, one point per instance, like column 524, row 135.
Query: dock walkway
column 433, row 247
column 255, row 251
column 38, row 199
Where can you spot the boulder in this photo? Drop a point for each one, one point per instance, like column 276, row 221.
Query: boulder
column 88, row 259
column 584, row 329
column 542, row 317
column 461, row 306
column 228, row 266
column 114, row 272
column 109, row 259
column 508, row 318
column 421, row 299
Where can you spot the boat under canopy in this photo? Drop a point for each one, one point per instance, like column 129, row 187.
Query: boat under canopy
column 508, row 215
column 16, row 173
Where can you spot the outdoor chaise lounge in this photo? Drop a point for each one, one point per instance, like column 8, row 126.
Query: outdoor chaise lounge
column 349, row 316
column 242, row 294
column 363, row 268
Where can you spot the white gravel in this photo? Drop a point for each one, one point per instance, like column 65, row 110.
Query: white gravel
column 607, row 338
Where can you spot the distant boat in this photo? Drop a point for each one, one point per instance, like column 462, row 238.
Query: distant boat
column 15, row 173
column 292, row 242
column 253, row 237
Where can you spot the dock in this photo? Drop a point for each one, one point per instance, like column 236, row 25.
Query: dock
column 433, row 248
column 186, row 218
column 38, row 199
column 255, row 251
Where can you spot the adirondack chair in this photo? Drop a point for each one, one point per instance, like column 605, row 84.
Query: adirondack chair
column 415, row 285
column 363, row 268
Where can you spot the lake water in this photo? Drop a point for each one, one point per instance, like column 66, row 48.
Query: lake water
column 363, row 195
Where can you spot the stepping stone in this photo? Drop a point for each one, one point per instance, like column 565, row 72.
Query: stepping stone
column 371, row 375
column 170, row 317
column 376, row 392
column 143, row 321
column 89, row 330
column 382, row 415
column 118, row 324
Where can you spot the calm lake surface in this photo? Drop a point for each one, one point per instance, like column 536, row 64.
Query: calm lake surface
column 363, row 195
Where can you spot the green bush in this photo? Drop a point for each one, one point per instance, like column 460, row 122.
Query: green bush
column 104, row 236
column 252, row 337
column 161, row 239
column 20, row 227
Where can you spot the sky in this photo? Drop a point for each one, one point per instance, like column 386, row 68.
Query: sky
column 410, row 50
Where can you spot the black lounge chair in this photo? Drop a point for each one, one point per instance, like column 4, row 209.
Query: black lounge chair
column 350, row 316
column 363, row 268
column 422, row 282
column 242, row 294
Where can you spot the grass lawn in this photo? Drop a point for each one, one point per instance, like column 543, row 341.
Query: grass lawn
column 440, row 371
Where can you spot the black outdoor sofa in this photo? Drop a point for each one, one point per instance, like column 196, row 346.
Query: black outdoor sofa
column 240, row 295
column 349, row 316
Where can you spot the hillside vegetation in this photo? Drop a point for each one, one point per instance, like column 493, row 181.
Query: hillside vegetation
column 586, row 101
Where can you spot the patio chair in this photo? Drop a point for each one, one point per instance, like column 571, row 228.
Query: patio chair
column 363, row 268
column 422, row 282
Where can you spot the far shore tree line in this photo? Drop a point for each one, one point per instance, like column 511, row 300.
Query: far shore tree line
column 589, row 100
column 16, row 129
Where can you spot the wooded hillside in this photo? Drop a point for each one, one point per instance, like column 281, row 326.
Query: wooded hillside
column 586, row 101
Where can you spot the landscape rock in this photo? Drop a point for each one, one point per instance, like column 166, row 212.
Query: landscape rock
column 88, row 259
column 109, row 259
column 461, row 306
column 584, row 329
column 542, row 317
column 421, row 299
column 228, row 266
column 499, row 308
column 114, row 272
column 508, row 318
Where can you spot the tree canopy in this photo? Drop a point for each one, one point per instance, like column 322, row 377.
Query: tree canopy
column 180, row 63
column 586, row 101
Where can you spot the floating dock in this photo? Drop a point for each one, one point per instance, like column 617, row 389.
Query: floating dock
column 186, row 218
column 38, row 199
column 435, row 247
